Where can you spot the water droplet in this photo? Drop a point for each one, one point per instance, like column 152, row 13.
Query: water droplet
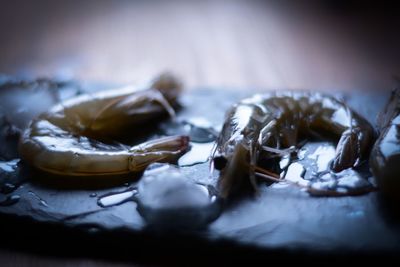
column 10, row 200
column 284, row 162
column 295, row 173
column 9, row 166
column 301, row 154
column 116, row 198
column 41, row 201
column 349, row 178
column 313, row 171
column 93, row 195
column 198, row 153
column 345, row 182
column 323, row 156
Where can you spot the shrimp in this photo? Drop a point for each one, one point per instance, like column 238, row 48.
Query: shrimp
column 258, row 129
column 70, row 138
column 385, row 155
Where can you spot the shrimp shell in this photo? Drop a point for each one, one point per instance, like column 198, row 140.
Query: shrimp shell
column 275, row 121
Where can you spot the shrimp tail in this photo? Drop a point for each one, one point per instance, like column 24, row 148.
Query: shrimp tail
column 347, row 150
column 160, row 150
column 353, row 145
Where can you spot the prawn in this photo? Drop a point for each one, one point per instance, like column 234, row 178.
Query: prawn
column 260, row 128
column 70, row 138
column 385, row 155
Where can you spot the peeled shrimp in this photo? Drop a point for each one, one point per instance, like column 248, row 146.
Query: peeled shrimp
column 72, row 138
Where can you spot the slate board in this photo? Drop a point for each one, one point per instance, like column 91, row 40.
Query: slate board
column 279, row 223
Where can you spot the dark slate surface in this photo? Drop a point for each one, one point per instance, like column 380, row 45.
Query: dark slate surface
column 280, row 221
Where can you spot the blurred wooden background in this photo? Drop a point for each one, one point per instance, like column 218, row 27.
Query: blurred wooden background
column 238, row 44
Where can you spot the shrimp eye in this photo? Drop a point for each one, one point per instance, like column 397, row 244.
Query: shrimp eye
column 220, row 162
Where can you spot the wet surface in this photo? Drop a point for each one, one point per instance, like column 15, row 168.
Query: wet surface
column 282, row 216
column 310, row 169
column 10, row 200
column 198, row 153
column 115, row 198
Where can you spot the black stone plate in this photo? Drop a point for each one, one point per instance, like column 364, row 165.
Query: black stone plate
column 279, row 224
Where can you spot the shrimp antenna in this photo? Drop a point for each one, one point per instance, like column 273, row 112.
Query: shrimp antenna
column 281, row 152
column 160, row 98
column 267, row 175
column 252, row 165
column 211, row 166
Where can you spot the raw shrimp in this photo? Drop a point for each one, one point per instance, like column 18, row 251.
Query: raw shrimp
column 385, row 155
column 70, row 138
column 260, row 128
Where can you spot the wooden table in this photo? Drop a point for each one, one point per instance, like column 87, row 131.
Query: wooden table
column 233, row 44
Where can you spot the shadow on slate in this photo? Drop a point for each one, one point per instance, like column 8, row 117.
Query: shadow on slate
column 123, row 245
